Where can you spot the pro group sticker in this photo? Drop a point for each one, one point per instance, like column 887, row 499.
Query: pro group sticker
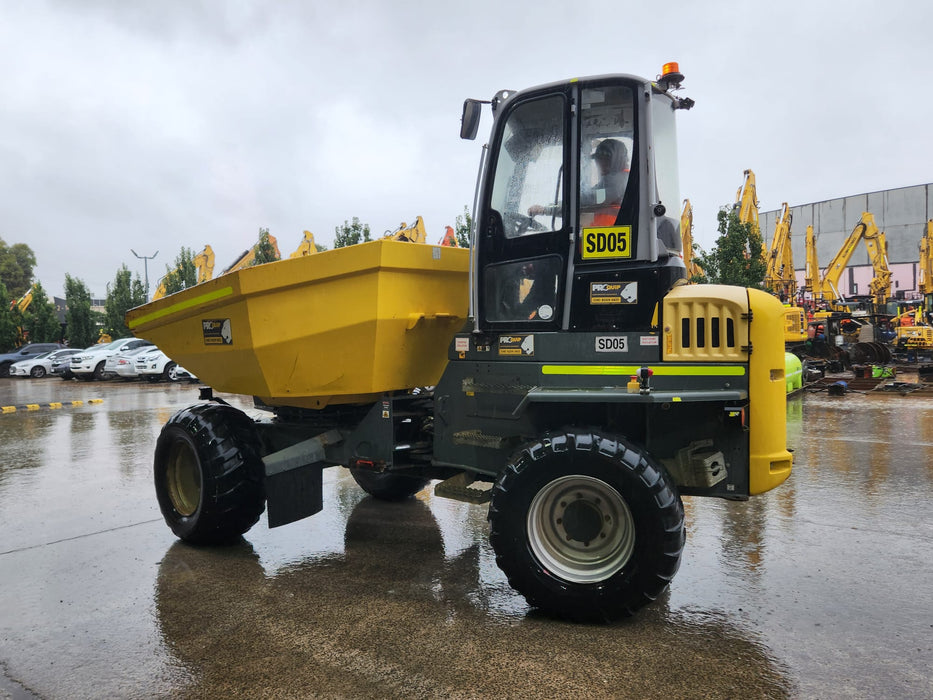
column 216, row 331
column 611, row 343
column 613, row 293
column 517, row 345
column 607, row 242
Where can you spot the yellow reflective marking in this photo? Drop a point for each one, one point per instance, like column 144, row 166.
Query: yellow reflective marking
column 95, row 400
column 32, row 407
column 77, row 403
column 613, row 370
column 55, row 404
column 182, row 305
column 8, row 409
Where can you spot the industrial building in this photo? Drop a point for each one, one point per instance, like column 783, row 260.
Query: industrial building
column 901, row 213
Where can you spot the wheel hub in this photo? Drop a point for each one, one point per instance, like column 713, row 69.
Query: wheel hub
column 580, row 529
column 183, row 478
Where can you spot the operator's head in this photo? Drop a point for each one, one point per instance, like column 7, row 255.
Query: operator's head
column 611, row 156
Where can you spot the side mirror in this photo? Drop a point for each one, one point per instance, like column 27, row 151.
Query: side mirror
column 469, row 123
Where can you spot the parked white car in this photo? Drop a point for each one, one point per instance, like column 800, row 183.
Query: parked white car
column 89, row 364
column 41, row 365
column 156, row 365
column 123, row 363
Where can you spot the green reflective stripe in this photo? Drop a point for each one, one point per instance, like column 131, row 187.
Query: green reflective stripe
column 181, row 305
column 658, row 370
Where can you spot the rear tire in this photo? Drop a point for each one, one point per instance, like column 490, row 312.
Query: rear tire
column 5, row 369
column 209, row 474
column 37, row 372
column 586, row 526
column 388, row 486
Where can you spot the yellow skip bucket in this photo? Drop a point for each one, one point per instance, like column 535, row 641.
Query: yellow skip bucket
column 342, row 326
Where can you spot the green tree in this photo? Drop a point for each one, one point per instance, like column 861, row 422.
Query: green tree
column 181, row 275
column 81, row 330
column 737, row 257
column 8, row 327
column 16, row 265
column 264, row 252
column 463, row 224
column 351, row 233
column 124, row 294
column 39, row 320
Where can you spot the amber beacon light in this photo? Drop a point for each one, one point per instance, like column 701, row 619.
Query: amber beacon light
column 670, row 75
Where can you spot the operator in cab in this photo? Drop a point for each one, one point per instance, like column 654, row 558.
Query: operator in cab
column 612, row 162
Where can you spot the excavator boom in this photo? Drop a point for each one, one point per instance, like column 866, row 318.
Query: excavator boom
column 306, row 247
column 204, row 262
column 686, row 234
column 812, row 276
column 877, row 251
column 415, row 233
column 780, row 279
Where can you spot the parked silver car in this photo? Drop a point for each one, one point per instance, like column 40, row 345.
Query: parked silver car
column 41, row 365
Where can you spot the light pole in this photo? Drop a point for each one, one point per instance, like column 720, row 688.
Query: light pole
column 145, row 259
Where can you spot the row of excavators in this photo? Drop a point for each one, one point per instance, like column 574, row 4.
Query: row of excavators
column 204, row 261
column 862, row 328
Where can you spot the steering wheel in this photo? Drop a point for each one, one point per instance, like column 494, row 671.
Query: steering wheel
column 516, row 224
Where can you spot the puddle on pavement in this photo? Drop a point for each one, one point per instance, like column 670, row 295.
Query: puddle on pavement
column 814, row 586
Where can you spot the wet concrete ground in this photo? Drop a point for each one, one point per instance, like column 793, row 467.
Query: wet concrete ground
column 820, row 589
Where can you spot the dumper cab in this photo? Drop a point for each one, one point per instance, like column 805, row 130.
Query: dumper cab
column 576, row 227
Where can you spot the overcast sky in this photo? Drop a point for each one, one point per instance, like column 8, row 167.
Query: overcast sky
column 156, row 125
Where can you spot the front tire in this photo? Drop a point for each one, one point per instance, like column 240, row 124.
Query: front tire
column 170, row 373
column 37, row 372
column 99, row 370
column 209, row 474
column 586, row 526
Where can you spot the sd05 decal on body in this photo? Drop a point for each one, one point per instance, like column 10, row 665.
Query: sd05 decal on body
column 611, row 343
column 607, row 242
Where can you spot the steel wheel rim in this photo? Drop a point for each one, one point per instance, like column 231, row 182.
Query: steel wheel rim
column 581, row 529
column 183, row 479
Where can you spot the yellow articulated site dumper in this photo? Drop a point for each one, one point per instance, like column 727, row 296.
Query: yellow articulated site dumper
column 560, row 370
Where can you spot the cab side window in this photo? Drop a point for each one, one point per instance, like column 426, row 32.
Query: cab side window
column 524, row 290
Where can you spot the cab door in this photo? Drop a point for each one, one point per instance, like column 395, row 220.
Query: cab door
column 524, row 229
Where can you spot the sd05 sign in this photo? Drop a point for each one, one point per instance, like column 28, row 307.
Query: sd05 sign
column 611, row 343
column 607, row 242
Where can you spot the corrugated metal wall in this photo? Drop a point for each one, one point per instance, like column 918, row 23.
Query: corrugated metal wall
column 902, row 214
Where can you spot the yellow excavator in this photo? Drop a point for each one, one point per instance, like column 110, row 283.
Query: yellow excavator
column 912, row 327
column 811, row 279
column 203, row 262
column 415, row 233
column 24, row 301
column 746, row 201
column 828, row 288
column 694, row 271
column 781, row 279
column 247, row 256
column 306, row 247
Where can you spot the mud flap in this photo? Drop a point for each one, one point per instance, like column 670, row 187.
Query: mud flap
column 294, row 480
